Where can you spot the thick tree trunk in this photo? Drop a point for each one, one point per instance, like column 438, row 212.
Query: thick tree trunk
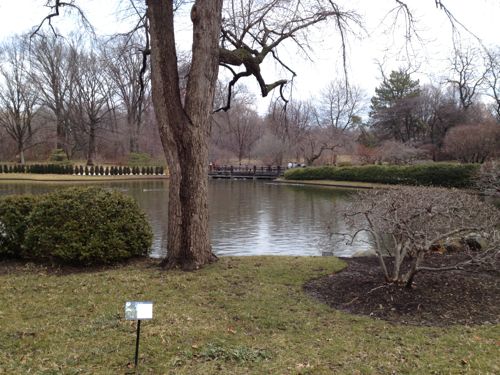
column 91, row 147
column 20, row 150
column 60, row 134
column 184, row 128
column 133, row 128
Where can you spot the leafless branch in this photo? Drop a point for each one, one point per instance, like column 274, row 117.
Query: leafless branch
column 55, row 7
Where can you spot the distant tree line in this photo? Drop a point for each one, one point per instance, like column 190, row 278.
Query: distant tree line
column 89, row 101
column 84, row 98
column 448, row 121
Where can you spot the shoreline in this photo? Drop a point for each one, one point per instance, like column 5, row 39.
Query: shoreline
column 13, row 177
column 337, row 184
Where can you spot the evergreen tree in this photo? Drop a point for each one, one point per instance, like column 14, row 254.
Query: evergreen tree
column 394, row 108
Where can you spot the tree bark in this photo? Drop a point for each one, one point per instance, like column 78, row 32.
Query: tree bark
column 184, row 129
column 20, row 150
column 60, row 133
column 91, row 147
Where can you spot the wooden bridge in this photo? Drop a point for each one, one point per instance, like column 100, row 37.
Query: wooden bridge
column 246, row 172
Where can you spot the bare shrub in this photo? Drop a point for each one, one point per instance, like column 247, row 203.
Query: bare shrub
column 473, row 143
column 405, row 223
column 395, row 152
column 489, row 178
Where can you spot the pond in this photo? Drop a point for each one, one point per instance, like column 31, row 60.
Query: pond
column 246, row 217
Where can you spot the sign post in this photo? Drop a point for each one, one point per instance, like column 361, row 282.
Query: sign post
column 138, row 310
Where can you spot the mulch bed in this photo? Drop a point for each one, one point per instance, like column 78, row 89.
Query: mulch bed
column 437, row 298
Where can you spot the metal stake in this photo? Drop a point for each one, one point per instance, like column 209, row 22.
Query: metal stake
column 137, row 343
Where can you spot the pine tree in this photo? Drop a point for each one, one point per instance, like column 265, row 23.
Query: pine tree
column 393, row 109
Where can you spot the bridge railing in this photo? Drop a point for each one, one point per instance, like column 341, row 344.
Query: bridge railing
column 247, row 170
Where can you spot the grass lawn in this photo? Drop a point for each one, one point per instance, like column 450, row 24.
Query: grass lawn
column 245, row 315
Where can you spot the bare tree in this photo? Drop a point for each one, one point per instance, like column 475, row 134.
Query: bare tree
column 404, row 223
column 493, row 79
column 241, row 127
column 271, row 149
column 132, row 88
column 313, row 138
column 468, row 76
column 50, row 72
column 439, row 111
column 301, row 130
column 339, row 106
column 18, row 97
column 399, row 153
column 89, row 98
column 256, row 29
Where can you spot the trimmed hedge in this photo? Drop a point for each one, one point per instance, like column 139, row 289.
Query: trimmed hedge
column 139, row 159
column 435, row 174
column 80, row 226
column 68, row 169
column 14, row 214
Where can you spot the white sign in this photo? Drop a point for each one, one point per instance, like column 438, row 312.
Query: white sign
column 139, row 310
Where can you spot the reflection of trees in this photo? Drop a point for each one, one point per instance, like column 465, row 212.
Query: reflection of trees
column 152, row 195
column 245, row 216
column 261, row 217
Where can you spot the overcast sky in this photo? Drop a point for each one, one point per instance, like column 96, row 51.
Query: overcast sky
column 377, row 45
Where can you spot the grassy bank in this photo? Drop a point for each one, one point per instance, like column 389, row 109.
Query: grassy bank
column 244, row 315
column 338, row 184
column 72, row 178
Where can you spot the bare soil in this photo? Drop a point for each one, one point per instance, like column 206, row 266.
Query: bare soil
column 436, row 299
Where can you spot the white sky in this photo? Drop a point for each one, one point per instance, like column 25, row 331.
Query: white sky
column 482, row 18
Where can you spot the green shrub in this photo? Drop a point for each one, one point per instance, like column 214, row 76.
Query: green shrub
column 50, row 168
column 138, row 159
column 14, row 213
column 435, row 174
column 87, row 226
column 58, row 156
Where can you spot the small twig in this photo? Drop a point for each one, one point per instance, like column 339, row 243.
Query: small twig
column 378, row 287
column 352, row 301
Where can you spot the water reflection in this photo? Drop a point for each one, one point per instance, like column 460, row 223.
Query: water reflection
column 246, row 217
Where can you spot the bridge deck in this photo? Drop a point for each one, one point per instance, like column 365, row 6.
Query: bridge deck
column 261, row 173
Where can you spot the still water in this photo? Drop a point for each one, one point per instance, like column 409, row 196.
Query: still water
column 246, row 217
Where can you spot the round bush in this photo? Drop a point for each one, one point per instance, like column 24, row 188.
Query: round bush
column 87, row 226
column 14, row 213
